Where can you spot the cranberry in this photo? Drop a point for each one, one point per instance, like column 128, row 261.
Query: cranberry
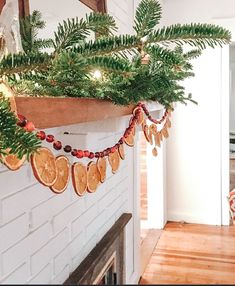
column 22, row 121
column 101, row 154
column 80, row 154
column 97, row 154
column 113, row 149
column 67, row 148
column 86, row 153
column 117, row 145
column 91, row 155
column 50, row 138
column 74, row 152
column 57, row 145
column 120, row 141
column 41, row 135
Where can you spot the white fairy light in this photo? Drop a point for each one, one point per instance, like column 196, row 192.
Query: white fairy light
column 97, row 74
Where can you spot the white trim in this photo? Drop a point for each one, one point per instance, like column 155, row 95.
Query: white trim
column 228, row 23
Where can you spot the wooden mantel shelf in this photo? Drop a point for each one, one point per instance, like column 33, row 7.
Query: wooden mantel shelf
column 47, row 112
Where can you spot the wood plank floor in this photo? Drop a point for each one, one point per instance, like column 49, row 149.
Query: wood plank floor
column 192, row 254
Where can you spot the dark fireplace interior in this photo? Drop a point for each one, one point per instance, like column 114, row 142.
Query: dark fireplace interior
column 105, row 264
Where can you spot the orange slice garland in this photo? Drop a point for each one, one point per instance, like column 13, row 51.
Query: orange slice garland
column 12, row 162
column 44, row 166
column 146, row 132
column 114, row 161
column 130, row 140
column 93, row 177
column 121, row 151
column 79, row 178
column 62, row 180
column 101, row 164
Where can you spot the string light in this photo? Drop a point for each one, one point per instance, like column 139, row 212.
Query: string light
column 97, row 74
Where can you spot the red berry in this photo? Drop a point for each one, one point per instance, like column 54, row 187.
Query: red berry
column 80, row 154
column 86, row 153
column 57, row 145
column 29, row 126
column 120, row 141
column 113, row 149
column 41, row 135
column 67, row 148
column 101, row 154
column 97, row 154
column 74, row 152
column 22, row 121
column 50, row 138
column 91, row 155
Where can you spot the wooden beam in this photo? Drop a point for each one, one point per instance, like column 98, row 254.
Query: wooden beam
column 23, row 8
column 96, row 5
column 2, row 3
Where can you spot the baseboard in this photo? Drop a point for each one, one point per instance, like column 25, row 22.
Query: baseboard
column 192, row 218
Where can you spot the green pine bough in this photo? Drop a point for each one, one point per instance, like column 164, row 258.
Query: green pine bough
column 12, row 136
column 67, row 70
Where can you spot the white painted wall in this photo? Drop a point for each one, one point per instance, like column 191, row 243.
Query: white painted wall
column 43, row 236
column 194, row 158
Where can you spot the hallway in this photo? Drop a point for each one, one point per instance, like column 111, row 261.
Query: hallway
column 192, row 254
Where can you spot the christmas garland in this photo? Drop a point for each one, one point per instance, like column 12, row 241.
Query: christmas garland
column 54, row 172
column 149, row 65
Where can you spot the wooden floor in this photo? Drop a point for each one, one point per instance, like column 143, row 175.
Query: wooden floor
column 192, row 254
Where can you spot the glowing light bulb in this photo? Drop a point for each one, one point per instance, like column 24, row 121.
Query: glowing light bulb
column 97, row 74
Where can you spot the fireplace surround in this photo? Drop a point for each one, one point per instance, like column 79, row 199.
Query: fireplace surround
column 105, row 264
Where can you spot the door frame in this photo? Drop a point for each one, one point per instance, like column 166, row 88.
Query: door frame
column 228, row 23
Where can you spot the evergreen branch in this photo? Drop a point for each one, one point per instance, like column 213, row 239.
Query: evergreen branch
column 108, row 45
column 193, row 54
column 69, row 33
column 12, row 136
column 199, row 35
column 164, row 55
column 29, row 27
column 109, row 63
column 148, row 15
column 101, row 24
column 22, row 63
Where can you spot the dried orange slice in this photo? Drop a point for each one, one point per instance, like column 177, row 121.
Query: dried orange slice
column 62, row 180
column 164, row 132
column 93, row 177
column 102, row 166
column 168, row 123
column 79, row 178
column 154, row 151
column 157, row 139
column 146, row 132
column 121, row 151
column 140, row 118
column 44, row 166
column 150, row 136
column 130, row 140
column 143, row 124
column 114, row 161
column 153, row 129
column 12, row 162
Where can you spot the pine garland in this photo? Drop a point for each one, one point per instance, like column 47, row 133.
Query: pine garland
column 12, row 136
column 68, row 69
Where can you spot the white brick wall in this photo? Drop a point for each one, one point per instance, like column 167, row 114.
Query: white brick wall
column 44, row 236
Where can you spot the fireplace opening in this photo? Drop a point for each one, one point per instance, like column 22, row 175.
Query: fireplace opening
column 105, row 264
column 108, row 275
